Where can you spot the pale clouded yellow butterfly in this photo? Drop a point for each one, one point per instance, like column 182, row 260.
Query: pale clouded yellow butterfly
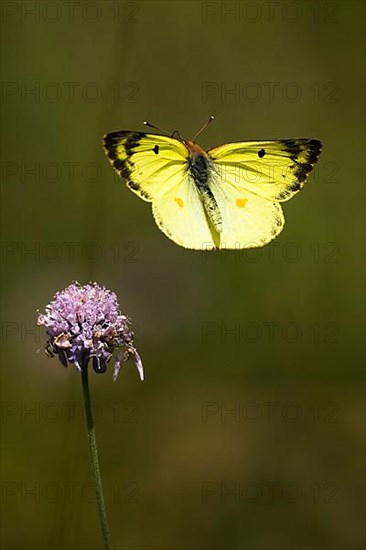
column 226, row 197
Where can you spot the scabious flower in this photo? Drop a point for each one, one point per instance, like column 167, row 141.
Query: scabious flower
column 84, row 324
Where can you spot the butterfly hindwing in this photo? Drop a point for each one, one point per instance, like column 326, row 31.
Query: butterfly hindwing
column 248, row 220
column 180, row 214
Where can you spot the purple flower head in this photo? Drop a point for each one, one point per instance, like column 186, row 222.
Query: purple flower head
column 84, row 324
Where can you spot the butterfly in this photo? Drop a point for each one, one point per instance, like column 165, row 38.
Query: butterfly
column 225, row 198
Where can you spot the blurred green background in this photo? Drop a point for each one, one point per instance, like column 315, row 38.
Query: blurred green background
column 248, row 431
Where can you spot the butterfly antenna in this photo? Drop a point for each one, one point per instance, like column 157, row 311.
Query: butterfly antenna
column 146, row 123
column 204, row 127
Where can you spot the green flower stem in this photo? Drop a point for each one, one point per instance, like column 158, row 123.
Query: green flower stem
column 95, row 462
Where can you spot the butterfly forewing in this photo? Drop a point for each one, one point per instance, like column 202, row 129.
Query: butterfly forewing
column 150, row 163
column 274, row 170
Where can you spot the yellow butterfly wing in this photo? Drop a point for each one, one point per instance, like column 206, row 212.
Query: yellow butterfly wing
column 271, row 169
column 181, row 216
column 155, row 168
column 248, row 181
column 248, row 220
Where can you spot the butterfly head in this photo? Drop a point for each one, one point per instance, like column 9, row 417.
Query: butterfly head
column 193, row 148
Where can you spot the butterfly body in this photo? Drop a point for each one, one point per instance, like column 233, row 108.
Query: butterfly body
column 226, row 197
